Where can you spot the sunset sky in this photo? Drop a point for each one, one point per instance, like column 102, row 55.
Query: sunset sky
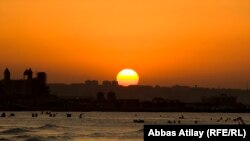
column 168, row 42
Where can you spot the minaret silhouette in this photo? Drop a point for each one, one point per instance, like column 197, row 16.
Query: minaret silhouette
column 6, row 74
column 28, row 73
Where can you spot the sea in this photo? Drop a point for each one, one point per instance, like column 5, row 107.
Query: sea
column 99, row 126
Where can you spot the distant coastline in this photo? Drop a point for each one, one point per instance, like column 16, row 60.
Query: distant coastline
column 34, row 94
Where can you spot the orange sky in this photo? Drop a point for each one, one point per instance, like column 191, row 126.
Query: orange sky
column 167, row 42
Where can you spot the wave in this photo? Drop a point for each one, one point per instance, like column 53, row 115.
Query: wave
column 22, row 136
column 139, row 131
column 15, row 131
column 59, row 137
column 102, row 135
column 132, row 134
column 43, row 138
column 49, row 126
column 34, row 139
column 3, row 139
column 48, row 138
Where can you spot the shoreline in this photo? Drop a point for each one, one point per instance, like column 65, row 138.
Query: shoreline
column 123, row 111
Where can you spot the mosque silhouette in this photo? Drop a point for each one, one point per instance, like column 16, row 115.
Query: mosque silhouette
column 26, row 86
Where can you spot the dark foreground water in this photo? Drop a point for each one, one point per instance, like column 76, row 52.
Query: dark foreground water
column 103, row 126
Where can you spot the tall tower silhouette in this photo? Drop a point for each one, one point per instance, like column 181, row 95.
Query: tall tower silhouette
column 28, row 74
column 6, row 74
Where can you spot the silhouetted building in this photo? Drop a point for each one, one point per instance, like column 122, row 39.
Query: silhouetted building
column 111, row 97
column 26, row 86
column 28, row 74
column 222, row 99
column 107, row 84
column 6, row 75
column 115, row 83
column 100, row 97
column 158, row 100
column 129, row 103
column 91, row 83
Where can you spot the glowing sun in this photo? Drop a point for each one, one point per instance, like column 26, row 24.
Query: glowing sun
column 127, row 77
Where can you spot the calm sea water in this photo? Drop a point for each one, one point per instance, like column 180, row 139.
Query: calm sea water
column 103, row 126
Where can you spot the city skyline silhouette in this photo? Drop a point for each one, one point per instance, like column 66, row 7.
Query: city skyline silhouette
column 204, row 43
column 31, row 87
